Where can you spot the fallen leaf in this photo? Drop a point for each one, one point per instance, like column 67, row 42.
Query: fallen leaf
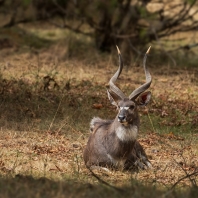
column 97, row 106
column 163, row 79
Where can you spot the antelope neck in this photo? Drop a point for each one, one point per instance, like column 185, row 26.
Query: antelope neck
column 126, row 133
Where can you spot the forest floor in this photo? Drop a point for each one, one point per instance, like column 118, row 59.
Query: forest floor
column 49, row 95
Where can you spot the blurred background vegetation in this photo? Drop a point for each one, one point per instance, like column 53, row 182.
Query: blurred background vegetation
column 170, row 26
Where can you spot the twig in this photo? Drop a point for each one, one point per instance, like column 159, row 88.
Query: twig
column 151, row 122
column 139, row 53
column 183, row 47
column 76, row 30
column 56, row 112
column 175, row 184
column 123, row 36
column 186, row 47
column 104, row 182
column 59, row 7
column 186, row 176
column 134, row 49
column 166, row 52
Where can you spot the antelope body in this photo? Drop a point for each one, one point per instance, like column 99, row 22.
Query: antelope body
column 113, row 143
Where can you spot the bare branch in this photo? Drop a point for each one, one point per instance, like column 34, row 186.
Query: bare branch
column 104, row 182
column 185, row 177
column 59, row 7
column 187, row 174
column 176, row 183
column 77, row 30
column 166, row 52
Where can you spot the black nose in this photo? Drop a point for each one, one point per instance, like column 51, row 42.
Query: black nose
column 121, row 117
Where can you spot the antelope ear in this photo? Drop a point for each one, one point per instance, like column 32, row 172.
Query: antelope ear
column 144, row 98
column 113, row 98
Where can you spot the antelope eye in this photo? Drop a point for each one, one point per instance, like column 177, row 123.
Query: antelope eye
column 132, row 107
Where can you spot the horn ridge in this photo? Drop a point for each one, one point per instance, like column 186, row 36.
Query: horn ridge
column 146, row 85
column 113, row 79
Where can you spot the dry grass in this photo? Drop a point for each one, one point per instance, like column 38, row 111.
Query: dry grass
column 47, row 101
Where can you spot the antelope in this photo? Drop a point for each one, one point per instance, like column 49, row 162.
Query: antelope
column 113, row 143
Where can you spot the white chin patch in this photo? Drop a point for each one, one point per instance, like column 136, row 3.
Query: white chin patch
column 127, row 134
column 122, row 122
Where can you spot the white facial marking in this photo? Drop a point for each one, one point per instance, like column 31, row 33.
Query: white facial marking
column 126, row 108
column 127, row 134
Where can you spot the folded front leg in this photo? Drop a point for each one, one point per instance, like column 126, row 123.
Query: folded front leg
column 138, row 158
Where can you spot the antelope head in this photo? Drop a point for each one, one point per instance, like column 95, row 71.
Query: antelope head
column 127, row 106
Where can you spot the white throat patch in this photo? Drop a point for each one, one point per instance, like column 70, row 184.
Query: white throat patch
column 127, row 134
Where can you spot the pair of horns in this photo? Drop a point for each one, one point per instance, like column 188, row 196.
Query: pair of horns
column 139, row 90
